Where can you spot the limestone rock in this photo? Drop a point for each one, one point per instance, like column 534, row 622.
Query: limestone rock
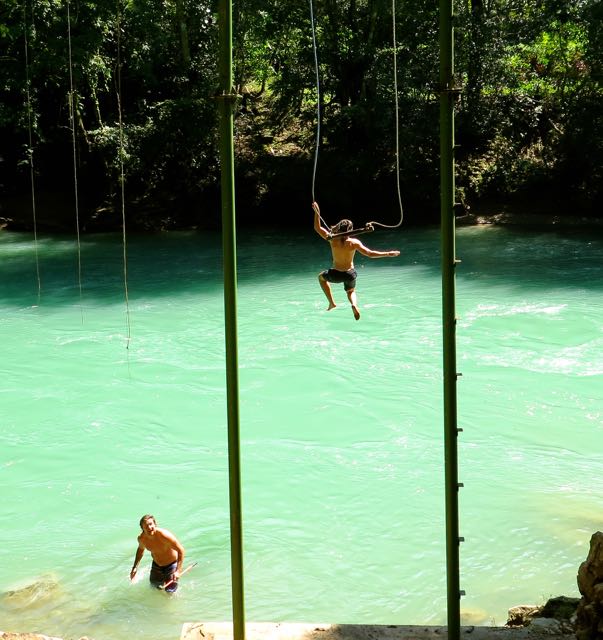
column 560, row 608
column 547, row 625
column 556, row 617
column 522, row 615
column 589, row 615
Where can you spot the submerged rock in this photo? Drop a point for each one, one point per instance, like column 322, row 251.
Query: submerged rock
column 8, row 635
column 39, row 591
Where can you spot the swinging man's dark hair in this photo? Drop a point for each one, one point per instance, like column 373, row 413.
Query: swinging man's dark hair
column 342, row 226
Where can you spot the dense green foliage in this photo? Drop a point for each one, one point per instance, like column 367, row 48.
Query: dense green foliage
column 107, row 88
column 532, row 76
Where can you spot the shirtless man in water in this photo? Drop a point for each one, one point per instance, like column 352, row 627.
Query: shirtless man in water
column 343, row 250
column 167, row 553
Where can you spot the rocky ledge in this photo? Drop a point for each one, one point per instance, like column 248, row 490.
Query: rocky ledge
column 561, row 618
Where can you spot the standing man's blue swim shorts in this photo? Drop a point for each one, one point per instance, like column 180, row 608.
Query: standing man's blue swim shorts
column 160, row 575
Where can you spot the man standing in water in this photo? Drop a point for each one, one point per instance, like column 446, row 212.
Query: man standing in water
column 167, row 553
column 343, row 249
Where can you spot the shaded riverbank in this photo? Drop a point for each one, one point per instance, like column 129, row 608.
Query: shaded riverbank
column 55, row 213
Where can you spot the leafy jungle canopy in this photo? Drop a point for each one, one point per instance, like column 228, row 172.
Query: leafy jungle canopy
column 529, row 119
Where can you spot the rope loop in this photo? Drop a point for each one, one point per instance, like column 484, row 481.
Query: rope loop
column 74, row 154
column 369, row 226
column 122, row 180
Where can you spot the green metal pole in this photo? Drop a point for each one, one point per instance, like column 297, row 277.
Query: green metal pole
column 226, row 102
column 447, row 97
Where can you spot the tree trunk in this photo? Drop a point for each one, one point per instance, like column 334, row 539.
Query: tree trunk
column 184, row 45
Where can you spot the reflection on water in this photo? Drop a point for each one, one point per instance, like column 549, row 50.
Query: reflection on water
column 341, row 428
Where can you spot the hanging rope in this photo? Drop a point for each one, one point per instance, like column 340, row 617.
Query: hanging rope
column 397, row 120
column 30, row 149
column 122, row 180
column 318, row 112
column 318, row 99
column 369, row 226
column 73, row 140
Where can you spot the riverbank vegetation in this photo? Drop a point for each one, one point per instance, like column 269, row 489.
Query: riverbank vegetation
column 103, row 93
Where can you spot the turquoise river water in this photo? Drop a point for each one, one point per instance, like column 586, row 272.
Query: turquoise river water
column 341, row 428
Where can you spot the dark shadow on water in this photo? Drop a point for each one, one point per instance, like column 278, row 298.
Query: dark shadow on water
column 188, row 262
column 531, row 259
column 155, row 265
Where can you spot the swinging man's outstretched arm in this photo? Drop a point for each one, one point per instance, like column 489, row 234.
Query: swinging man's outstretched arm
column 372, row 253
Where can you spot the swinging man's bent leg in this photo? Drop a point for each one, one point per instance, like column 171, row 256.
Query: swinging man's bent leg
column 326, row 287
column 354, row 302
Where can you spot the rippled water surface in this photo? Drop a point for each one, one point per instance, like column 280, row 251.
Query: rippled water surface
column 341, row 428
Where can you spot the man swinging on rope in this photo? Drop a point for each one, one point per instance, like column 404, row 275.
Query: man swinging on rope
column 343, row 249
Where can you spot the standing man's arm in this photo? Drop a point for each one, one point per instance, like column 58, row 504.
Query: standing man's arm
column 137, row 559
column 180, row 551
column 323, row 232
column 171, row 539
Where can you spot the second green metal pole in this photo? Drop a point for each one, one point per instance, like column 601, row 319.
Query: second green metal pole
column 448, row 93
column 226, row 102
